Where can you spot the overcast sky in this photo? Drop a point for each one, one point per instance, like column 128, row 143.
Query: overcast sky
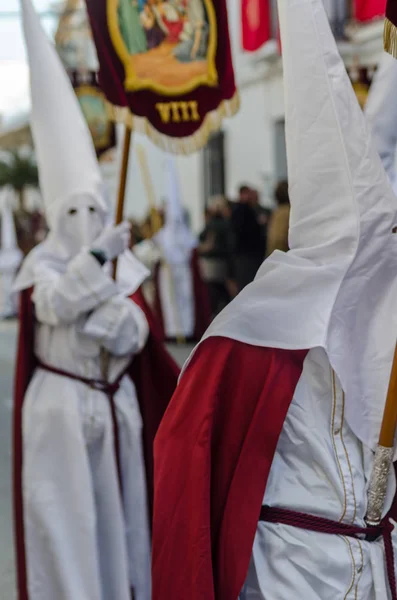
column 14, row 98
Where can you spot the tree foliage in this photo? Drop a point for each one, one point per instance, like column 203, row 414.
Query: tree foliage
column 19, row 172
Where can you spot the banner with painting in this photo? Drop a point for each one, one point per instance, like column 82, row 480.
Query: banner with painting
column 96, row 111
column 77, row 52
column 168, row 63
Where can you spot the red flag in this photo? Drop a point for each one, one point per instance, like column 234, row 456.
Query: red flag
column 255, row 20
column 367, row 10
column 169, row 64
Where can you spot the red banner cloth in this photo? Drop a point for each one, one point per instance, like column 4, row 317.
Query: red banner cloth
column 391, row 11
column 367, row 10
column 168, row 63
column 255, row 21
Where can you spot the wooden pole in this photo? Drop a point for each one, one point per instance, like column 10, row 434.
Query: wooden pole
column 383, row 458
column 389, row 422
column 123, row 183
column 104, row 356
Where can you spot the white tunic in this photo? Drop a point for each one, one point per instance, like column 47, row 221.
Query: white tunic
column 82, row 541
column 175, row 289
column 319, row 468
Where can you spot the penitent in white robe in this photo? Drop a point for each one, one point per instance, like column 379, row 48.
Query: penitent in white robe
column 83, row 542
column 320, row 468
column 175, row 287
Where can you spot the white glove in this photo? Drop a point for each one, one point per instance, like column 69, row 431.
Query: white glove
column 113, row 240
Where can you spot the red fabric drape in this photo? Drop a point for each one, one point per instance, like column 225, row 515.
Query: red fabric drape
column 155, row 375
column 255, row 23
column 25, row 367
column 367, row 10
column 158, row 310
column 213, row 454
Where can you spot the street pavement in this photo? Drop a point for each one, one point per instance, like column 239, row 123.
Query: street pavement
column 7, row 359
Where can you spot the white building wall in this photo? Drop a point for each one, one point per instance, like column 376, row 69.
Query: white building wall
column 247, row 143
column 136, row 198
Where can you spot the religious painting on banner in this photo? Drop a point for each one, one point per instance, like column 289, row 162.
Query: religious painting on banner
column 96, row 112
column 167, row 62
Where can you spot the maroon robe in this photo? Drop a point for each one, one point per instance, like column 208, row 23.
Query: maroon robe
column 213, row 455
column 154, row 374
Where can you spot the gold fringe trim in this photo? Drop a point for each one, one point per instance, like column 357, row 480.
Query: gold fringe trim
column 186, row 145
column 390, row 38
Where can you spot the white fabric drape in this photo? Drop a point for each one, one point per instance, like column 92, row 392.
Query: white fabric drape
column 337, row 287
column 82, row 539
column 320, row 468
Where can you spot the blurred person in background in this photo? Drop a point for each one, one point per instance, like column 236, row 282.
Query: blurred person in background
column 247, row 226
column 136, row 233
column 92, row 379
column 263, row 217
column 31, row 229
column 10, row 258
column 180, row 297
column 216, row 254
column 277, row 238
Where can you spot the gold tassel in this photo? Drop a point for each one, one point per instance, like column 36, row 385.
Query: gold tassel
column 188, row 145
column 390, row 38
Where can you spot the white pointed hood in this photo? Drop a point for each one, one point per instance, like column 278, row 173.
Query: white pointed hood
column 10, row 254
column 337, row 286
column 381, row 113
column 66, row 157
column 175, row 238
column 67, row 162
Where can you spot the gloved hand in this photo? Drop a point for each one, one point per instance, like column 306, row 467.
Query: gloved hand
column 113, row 240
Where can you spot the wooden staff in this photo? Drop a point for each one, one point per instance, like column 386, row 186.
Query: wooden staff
column 122, row 184
column 383, row 459
column 104, row 356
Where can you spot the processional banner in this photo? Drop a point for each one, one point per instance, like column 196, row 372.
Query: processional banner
column 166, row 67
